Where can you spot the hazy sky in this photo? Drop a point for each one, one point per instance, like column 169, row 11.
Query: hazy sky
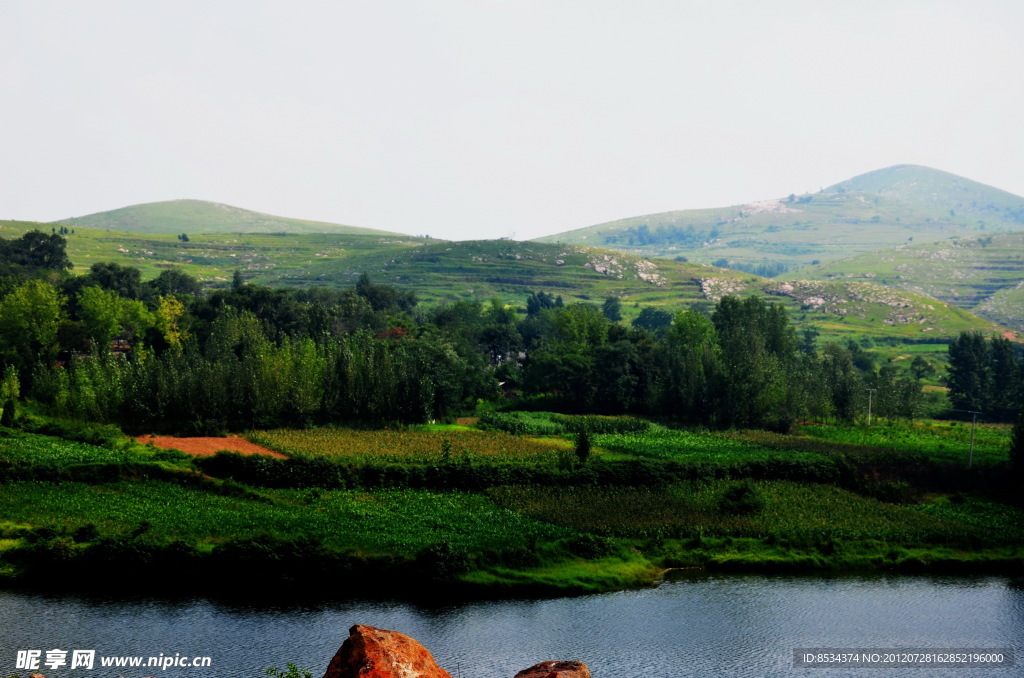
column 485, row 118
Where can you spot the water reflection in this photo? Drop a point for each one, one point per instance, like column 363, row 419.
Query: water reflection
column 692, row 625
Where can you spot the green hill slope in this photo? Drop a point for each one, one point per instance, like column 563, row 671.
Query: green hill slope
column 441, row 271
column 984, row 275
column 880, row 209
column 924, row 186
column 213, row 258
column 198, row 216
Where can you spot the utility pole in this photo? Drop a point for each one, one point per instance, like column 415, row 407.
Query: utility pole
column 871, row 392
column 974, row 423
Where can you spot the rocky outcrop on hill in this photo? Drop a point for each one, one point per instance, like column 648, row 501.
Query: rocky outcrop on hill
column 369, row 652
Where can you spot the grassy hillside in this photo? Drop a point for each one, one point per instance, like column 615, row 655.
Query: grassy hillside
column 199, row 216
column 984, row 275
column 880, row 209
column 442, row 271
column 212, row 258
column 920, row 185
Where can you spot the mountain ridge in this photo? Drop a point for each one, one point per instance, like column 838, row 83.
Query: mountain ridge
column 877, row 209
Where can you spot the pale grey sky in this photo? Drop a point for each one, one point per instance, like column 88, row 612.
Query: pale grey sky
column 487, row 118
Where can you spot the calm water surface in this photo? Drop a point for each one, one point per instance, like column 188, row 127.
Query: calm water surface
column 696, row 625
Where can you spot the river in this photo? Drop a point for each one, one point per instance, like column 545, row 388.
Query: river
column 690, row 625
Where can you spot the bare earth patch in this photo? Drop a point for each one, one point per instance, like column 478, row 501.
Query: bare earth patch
column 207, row 447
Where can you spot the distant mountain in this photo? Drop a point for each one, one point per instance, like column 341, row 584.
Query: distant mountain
column 879, row 209
column 199, row 216
column 914, row 184
column 984, row 275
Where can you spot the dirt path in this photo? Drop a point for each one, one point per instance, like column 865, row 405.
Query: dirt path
column 207, row 447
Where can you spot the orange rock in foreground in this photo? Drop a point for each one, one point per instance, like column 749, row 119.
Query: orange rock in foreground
column 556, row 670
column 375, row 653
column 369, row 652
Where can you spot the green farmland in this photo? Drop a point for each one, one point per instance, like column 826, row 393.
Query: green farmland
column 482, row 510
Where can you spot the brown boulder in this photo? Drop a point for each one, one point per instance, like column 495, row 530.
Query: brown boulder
column 370, row 652
column 556, row 670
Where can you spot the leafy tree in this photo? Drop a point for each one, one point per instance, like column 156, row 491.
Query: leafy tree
column 617, row 377
column 497, row 313
column 30, row 317
column 10, row 386
column 175, row 281
column 385, row 298
column 580, row 324
column 126, row 281
column 612, row 309
column 101, row 312
column 985, row 375
column 538, row 301
column 1005, row 397
column 36, row 249
column 653, row 320
column 502, row 343
column 563, row 360
column 843, row 386
column 759, row 360
column 10, row 389
column 921, row 368
column 969, row 378
column 690, row 375
column 809, row 341
column 106, row 316
column 167, row 320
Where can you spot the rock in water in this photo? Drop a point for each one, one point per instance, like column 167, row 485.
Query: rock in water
column 556, row 670
column 370, row 652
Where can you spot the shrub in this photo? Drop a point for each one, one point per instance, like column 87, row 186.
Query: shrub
column 8, row 416
column 741, row 499
column 292, row 671
column 583, row 446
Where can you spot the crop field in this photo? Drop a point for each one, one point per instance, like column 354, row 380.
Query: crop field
column 694, row 446
column 947, row 442
column 507, row 509
column 58, row 453
column 399, row 522
column 408, row 447
column 791, row 511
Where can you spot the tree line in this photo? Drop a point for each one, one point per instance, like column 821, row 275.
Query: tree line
column 167, row 354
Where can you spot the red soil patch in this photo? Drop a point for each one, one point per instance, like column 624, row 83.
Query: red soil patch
column 207, row 447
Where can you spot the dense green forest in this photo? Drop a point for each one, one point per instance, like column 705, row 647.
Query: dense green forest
column 167, row 355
